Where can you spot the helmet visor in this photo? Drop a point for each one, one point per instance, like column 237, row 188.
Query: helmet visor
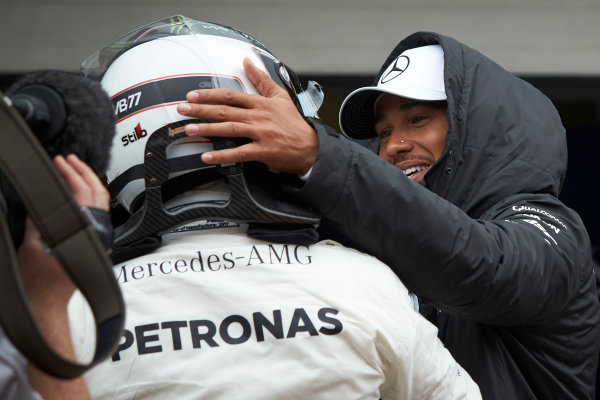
column 96, row 65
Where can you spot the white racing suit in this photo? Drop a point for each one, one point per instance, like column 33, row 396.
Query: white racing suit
column 13, row 378
column 214, row 314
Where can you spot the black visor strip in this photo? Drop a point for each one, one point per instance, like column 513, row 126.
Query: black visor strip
column 165, row 91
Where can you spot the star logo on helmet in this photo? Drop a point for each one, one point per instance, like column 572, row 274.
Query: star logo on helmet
column 395, row 69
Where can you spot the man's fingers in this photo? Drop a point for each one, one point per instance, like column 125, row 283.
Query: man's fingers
column 73, row 179
column 99, row 196
column 221, row 129
column 262, row 81
column 230, row 156
column 85, row 185
column 84, row 170
column 231, row 97
column 234, row 98
column 213, row 112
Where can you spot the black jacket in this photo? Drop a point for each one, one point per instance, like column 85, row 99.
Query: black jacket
column 484, row 240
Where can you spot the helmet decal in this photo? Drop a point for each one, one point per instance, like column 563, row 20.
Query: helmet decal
column 163, row 91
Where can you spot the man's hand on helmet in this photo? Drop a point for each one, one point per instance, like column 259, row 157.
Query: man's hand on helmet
column 280, row 137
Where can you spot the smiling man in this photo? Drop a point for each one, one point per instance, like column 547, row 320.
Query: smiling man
column 406, row 110
column 412, row 134
column 462, row 203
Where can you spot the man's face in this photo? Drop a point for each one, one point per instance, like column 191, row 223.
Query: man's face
column 412, row 133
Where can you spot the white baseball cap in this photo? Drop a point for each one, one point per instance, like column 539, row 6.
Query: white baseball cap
column 417, row 73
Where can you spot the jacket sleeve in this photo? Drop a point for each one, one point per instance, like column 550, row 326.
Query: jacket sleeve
column 520, row 263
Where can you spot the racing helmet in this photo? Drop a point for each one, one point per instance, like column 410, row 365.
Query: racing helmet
column 147, row 73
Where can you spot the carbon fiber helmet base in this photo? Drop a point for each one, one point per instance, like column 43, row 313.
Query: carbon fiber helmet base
column 147, row 73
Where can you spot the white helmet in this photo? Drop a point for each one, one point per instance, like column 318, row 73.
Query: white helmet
column 147, row 73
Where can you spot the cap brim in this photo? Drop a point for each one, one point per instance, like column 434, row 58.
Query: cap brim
column 357, row 113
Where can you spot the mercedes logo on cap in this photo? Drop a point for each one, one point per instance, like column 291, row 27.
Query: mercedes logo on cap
column 395, row 69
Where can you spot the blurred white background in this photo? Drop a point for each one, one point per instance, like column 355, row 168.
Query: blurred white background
column 528, row 37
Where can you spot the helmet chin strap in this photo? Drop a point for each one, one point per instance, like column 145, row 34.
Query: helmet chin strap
column 69, row 236
column 249, row 201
